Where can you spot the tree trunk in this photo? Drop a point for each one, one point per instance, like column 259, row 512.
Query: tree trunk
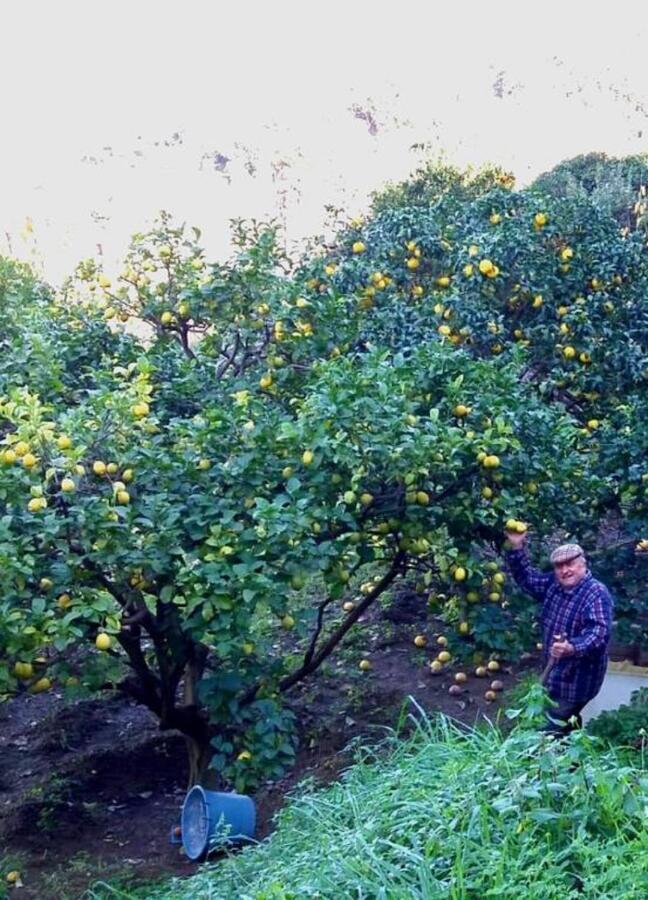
column 199, row 756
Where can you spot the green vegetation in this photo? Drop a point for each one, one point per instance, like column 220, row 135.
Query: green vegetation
column 627, row 726
column 450, row 812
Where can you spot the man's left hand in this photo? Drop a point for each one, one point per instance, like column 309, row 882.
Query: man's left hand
column 561, row 649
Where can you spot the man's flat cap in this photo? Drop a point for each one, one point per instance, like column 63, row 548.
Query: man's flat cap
column 566, row 552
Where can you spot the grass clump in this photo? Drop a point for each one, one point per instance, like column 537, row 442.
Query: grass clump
column 450, row 812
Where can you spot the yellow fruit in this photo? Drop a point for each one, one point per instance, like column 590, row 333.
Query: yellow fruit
column 443, row 281
column 566, row 253
column 64, row 442
column 593, row 424
column 36, row 504
column 348, row 606
column 538, row 300
column 422, row 498
column 464, row 627
column 203, row 465
column 23, row 670
column 487, row 493
column 43, row 684
column 521, row 527
column 495, row 596
column 444, row 330
column 491, row 461
column 473, row 250
column 472, row 597
column 366, row 499
column 468, row 270
column 540, row 219
column 500, row 577
column 460, row 410
column 265, row 381
column 490, row 696
column 99, row 467
column 460, row 574
column 412, row 262
column 68, row 485
column 495, row 219
column 436, row 666
column 485, row 266
column 497, row 686
column 64, row 601
column 244, row 756
column 420, row 640
column 183, row 310
column 112, row 468
column 103, row 641
column 493, row 666
column 461, row 678
column 444, row 656
column 13, row 877
column 140, row 409
column 510, row 524
column 29, row 460
column 481, row 671
column 365, row 665
column 123, row 498
column 46, row 584
column 287, row 622
column 21, row 448
column 79, row 469
column 248, row 648
column 569, row 352
column 307, row 457
column 9, row 456
column 358, row 247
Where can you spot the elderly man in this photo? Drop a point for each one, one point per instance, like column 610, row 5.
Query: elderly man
column 576, row 621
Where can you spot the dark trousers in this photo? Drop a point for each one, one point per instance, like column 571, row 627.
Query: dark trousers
column 558, row 717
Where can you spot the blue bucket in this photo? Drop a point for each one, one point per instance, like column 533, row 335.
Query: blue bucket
column 212, row 818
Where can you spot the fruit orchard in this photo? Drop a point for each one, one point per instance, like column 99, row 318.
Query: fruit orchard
column 210, row 471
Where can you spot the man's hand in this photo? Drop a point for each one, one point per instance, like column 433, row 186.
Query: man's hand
column 562, row 649
column 515, row 539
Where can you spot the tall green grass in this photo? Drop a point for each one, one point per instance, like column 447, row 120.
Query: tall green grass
column 456, row 813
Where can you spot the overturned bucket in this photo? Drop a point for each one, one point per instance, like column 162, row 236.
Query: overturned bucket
column 213, row 818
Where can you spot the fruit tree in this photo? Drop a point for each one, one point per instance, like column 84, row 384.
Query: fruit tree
column 210, row 471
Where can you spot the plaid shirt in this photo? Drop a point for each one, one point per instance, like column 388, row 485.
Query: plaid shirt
column 583, row 615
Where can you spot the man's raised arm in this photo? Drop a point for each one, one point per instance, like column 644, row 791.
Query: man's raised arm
column 530, row 579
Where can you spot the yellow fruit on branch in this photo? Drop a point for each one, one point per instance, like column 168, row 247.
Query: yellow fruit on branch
column 140, row 409
column 99, row 467
column 64, row 442
column 68, row 485
column 43, row 684
column 29, row 460
column 444, row 656
column 491, row 461
column 123, row 498
column 307, row 457
column 64, row 601
column 358, row 247
column 287, row 622
column 103, row 641
column 412, row 262
column 364, row 665
column 461, row 411
column 460, row 574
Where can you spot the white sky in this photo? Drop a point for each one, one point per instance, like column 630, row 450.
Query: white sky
column 275, row 83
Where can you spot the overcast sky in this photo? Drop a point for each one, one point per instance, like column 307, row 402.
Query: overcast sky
column 112, row 111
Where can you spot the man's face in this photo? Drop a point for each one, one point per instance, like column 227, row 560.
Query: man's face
column 571, row 572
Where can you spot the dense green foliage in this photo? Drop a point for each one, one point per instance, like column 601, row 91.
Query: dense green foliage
column 452, row 813
column 201, row 463
column 626, row 726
